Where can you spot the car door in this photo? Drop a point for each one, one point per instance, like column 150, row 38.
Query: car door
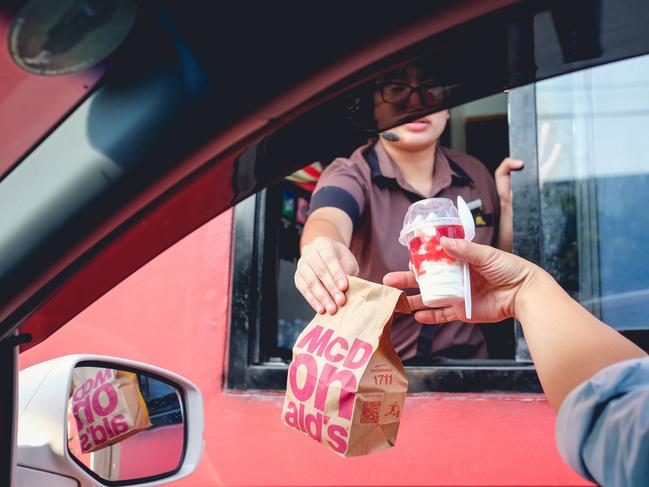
column 51, row 225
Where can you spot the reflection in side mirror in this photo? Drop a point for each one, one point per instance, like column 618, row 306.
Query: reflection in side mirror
column 124, row 425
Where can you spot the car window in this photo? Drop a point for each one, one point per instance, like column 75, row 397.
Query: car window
column 482, row 52
column 594, row 180
column 269, row 312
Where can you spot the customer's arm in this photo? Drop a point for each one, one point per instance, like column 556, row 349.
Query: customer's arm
column 568, row 344
column 598, row 378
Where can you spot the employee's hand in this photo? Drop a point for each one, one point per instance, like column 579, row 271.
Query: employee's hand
column 498, row 279
column 504, row 179
column 321, row 274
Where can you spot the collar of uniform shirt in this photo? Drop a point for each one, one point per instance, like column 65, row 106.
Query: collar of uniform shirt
column 386, row 173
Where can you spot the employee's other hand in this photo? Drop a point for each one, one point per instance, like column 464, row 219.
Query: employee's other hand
column 321, row 274
column 504, row 179
column 498, row 281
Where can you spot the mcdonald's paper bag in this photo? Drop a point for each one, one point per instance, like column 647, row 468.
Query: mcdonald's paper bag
column 346, row 385
column 107, row 407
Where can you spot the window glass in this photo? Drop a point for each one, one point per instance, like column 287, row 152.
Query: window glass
column 286, row 214
column 593, row 154
column 478, row 128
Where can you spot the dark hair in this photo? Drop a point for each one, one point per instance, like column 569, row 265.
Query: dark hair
column 425, row 71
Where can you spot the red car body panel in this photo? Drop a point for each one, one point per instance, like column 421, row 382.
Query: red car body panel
column 174, row 313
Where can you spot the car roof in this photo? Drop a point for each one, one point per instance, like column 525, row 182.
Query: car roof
column 194, row 111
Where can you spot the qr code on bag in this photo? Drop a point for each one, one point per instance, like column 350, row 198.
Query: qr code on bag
column 371, row 411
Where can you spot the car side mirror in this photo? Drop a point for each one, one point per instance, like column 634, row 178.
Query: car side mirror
column 106, row 421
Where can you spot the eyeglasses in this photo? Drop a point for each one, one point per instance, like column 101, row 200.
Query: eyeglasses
column 430, row 92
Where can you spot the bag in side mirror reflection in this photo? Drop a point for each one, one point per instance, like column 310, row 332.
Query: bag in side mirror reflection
column 124, row 425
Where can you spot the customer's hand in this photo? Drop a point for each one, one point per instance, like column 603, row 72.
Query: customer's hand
column 321, row 274
column 497, row 280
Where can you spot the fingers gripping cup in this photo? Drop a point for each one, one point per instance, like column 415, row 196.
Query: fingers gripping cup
column 440, row 277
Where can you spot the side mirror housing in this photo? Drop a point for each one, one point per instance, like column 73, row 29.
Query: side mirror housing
column 104, row 420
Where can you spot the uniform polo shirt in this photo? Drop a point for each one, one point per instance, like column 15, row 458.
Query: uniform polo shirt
column 371, row 189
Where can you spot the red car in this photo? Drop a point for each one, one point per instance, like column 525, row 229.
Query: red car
column 156, row 162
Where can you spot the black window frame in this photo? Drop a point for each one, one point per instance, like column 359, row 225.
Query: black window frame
column 249, row 368
column 528, row 235
column 531, row 55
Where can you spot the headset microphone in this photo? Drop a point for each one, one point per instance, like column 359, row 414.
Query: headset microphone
column 390, row 136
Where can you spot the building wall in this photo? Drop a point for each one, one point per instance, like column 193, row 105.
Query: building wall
column 489, row 106
column 173, row 313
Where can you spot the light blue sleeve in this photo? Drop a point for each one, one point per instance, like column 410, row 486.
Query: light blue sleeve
column 603, row 425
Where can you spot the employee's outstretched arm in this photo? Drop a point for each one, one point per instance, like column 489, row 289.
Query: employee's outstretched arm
column 568, row 344
column 321, row 275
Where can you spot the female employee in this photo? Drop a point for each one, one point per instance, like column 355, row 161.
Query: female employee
column 358, row 206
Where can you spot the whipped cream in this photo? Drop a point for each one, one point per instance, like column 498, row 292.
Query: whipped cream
column 441, row 283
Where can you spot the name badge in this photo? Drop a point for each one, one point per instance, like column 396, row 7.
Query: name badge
column 481, row 218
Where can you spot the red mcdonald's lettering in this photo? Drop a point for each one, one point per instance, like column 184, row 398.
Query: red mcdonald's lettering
column 111, row 393
column 84, row 405
column 339, row 356
column 83, row 390
column 347, row 392
column 98, row 433
column 119, row 424
column 102, row 376
column 303, row 393
column 315, row 339
column 358, row 346
column 337, row 434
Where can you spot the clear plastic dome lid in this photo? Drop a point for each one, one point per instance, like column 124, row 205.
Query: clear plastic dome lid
column 428, row 212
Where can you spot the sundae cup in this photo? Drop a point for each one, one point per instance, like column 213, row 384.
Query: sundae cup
column 440, row 277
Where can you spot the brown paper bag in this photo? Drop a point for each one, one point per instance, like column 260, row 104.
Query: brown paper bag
column 106, row 406
column 346, row 385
